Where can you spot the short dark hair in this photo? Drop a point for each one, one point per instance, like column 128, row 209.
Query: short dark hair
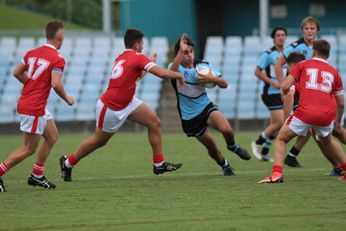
column 276, row 29
column 310, row 19
column 177, row 45
column 322, row 47
column 295, row 57
column 52, row 28
column 132, row 36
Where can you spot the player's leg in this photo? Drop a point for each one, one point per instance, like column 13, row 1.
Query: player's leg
column 260, row 147
column 332, row 147
column 291, row 157
column 337, row 170
column 292, row 127
column 29, row 147
column 50, row 136
column 209, row 143
column 107, row 123
column 145, row 116
column 341, row 136
column 97, row 140
column 219, row 122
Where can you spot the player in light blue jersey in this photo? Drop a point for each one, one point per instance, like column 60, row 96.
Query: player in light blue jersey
column 271, row 94
column 196, row 111
column 310, row 27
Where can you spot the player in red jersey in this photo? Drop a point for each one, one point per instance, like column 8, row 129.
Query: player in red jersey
column 318, row 84
column 39, row 71
column 292, row 60
column 119, row 104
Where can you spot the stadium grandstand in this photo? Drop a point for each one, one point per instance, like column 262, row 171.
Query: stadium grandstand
column 90, row 58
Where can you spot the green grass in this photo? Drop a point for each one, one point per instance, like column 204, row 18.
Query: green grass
column 13, row 18
column 114, row 189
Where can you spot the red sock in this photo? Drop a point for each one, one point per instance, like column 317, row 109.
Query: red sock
column 277, row 169
column 158, row 159
column 3, row 168
column 37, row 170
column 343, row 167
column 337, row 166
column 72, row 160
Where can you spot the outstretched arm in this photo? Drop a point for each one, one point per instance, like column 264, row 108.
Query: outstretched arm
column 165, row 73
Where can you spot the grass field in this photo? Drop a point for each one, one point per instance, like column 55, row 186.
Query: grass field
column 114, row 189
column 13, row 18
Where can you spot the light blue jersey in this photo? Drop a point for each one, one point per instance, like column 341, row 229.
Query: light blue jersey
column 192, row 97
column 267, row 62
column 299, row 46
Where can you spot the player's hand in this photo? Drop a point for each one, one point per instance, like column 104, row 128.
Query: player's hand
column 203, row 79
column 276, row 85
column 154, row 57
column 337, row 127
column 181, row 81
column 70, row 100
column 183, row 42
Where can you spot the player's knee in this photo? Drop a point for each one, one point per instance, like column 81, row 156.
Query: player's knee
column 155, row 122
column 226, row 130
column 53, row 138
column 29, row 150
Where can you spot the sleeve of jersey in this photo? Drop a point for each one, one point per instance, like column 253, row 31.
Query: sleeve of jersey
column 296, row 72
column 59, row 65
column 263, row 61
column 338, row 86
column 288, row 50
column 24, row 59
column 215, row 71
column 145, row 63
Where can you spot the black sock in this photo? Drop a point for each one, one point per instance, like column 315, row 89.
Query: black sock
column 265, row 151
column 294, row 152
column 261, row 139
column 267, row 145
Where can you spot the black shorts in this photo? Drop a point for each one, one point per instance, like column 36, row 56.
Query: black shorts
column 273, row 102
column 198, row 125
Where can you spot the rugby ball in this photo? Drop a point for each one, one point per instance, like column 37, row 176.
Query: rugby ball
column 203, row 70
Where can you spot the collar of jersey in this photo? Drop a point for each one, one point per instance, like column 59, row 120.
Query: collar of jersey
column 319, row 59
column 51, row 46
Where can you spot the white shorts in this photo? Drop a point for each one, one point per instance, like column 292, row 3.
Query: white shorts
column 110, row 121
column 301, row 129
column 34, row 124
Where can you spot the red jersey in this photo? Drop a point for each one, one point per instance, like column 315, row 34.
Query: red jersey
column 40, row 63
column 127, row 68
column 318, row 83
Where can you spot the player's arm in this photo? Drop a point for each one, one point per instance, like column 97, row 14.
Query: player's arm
column 339, row 111
column 288, row 101
column 19, row 72
column 210, row 78
column 278, row 68
column 287, row 83
column 179, row 57
column 165, row 73
column 262, row 76
column 58, row 87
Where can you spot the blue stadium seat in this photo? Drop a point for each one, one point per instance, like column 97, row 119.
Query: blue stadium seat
column 7, row 113
column 85, row 111
column 63, row 112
